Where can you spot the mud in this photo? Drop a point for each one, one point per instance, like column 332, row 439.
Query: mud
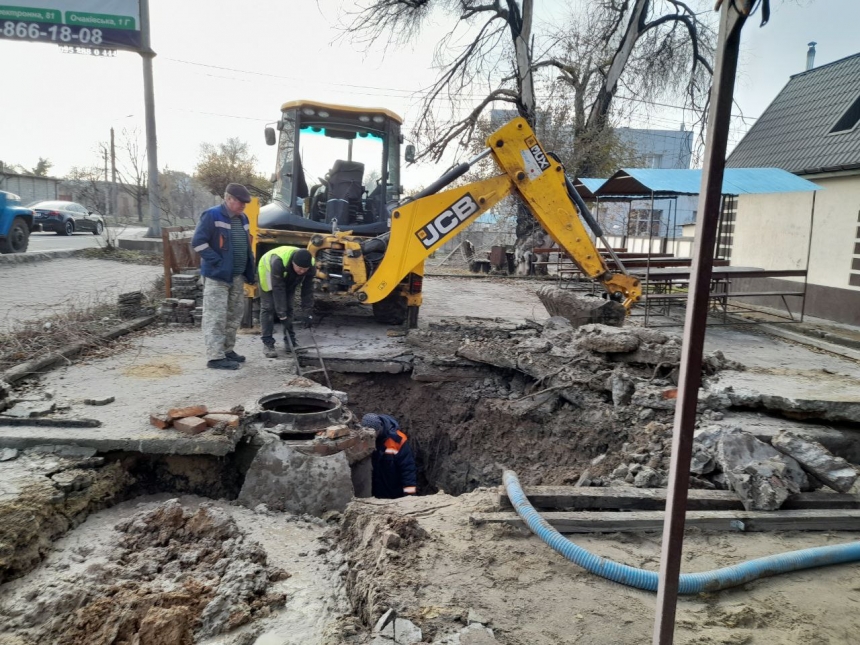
column 169, row 576
column 444, row 570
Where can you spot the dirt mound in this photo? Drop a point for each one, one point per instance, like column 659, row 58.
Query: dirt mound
column 172, row 577
column 372, row 538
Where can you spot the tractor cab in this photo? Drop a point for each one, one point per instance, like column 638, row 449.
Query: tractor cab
column 337, row 168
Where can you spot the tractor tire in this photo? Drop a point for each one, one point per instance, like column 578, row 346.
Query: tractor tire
column 18, row 238
column 391, row 311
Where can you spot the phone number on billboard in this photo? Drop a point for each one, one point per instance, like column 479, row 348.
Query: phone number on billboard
column 54, row 33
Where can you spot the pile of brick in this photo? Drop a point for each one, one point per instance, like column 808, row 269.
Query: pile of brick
column 187, row 286
column 185, row 306
column 130, row 304
column 194, row 419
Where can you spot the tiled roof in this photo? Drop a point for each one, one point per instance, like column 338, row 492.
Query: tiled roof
column 794, row 131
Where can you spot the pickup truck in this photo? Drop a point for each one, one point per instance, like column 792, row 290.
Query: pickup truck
column 16, row 224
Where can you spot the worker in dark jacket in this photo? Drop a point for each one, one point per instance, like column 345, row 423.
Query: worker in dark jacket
column 394, row 472
column 226, row 264
column 281, row 271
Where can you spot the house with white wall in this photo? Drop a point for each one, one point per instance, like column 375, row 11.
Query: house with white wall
column 811, row 129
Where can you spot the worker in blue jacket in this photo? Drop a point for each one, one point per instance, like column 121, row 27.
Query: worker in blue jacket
column 394, row 473
column 223, row 241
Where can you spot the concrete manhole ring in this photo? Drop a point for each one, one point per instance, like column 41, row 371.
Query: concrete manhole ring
column 301, row 409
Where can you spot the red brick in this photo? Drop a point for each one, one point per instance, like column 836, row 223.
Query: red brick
column 160, row 421
column 343, row 444
column 190, row 425
column 362, row 449
column 325, row 448
column 230, row 420
column 336, row 432
column 190, row 411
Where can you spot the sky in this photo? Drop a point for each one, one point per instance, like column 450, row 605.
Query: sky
column 223, row 69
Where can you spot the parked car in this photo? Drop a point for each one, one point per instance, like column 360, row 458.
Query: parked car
column 65, row 218
column 16, row 222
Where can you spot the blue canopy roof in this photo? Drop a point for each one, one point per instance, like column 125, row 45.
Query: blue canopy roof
column 667, row 182
column 587, row 186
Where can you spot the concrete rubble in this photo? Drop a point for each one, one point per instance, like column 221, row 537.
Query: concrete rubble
column 581, row 309
column 833, row 471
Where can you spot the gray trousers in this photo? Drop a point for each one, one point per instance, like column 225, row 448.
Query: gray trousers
column 267, row 318
column 222, row 313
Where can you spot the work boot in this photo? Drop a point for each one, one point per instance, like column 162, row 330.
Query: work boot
column 233, row 356
column 269, row 351
column 294, row 341
column 223, row 364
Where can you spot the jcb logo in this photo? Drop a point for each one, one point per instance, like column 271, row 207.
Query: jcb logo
column 447, row 221
column 537, row 153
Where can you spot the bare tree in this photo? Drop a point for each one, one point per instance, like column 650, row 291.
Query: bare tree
column 650, row 47
column 182, row 197
column 131, row 168
column 87, row 187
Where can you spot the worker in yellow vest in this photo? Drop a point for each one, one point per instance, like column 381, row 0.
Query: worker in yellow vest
column 280, row 273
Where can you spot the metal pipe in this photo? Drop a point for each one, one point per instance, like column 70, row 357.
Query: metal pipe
column 808, row 255
column 449, row 177
column 732, row 18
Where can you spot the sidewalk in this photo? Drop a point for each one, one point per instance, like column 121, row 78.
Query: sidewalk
column 37, row 289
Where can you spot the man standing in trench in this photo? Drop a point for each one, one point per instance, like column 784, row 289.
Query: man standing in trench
column 281, row 272
column 227, row 263
column 394, row 472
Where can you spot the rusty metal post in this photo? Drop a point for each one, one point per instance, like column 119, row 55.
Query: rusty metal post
column 732, row 18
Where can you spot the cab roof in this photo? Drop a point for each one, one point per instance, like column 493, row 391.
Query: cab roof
column 341, row 108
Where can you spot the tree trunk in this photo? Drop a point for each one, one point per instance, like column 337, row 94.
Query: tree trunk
column 619, row 61
column 139, row 201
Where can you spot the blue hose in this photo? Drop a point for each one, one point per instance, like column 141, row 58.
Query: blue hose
column 690, row 583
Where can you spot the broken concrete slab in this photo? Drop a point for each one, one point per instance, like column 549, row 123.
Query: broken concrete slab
column 606, row 340
column 402, row 632
column 30, row 409
column 285, row 479
column 581, row 309
column 833, row 471
column 794, row 393
column 762, row 476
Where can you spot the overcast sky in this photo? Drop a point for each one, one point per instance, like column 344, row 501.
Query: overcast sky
column 224, row 68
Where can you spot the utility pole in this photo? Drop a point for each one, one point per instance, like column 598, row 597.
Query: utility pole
column 151, row 140
column 113, row 204
column 107, row 187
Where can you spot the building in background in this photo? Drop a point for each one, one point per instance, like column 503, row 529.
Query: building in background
column 811, row 129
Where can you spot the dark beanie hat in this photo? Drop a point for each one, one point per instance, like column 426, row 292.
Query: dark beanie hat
column 239, row 192
column 302, row 258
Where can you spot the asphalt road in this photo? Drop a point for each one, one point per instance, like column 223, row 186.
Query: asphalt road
column 54, row 242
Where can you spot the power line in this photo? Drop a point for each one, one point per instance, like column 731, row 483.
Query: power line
column 404, row 93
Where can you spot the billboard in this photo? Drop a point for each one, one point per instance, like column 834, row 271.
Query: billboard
column 73, row 23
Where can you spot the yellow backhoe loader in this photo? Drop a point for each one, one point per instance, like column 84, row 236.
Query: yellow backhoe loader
column 370, row 244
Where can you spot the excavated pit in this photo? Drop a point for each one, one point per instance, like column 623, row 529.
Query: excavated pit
column 501, row 400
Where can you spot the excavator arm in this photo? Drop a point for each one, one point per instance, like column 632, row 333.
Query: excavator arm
column 421, row 226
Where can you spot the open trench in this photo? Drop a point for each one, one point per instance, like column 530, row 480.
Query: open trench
column 151, row 580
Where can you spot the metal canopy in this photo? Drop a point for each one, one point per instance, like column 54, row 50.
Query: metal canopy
column 665, row 182
column 587, row 186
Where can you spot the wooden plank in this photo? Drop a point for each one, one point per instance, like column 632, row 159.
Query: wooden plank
column 648, row 499
column 634, row 521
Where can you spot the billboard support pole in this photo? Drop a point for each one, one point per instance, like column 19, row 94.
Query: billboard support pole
column 147, row 54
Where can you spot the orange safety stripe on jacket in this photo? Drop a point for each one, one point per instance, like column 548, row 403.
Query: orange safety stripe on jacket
column 392, row 447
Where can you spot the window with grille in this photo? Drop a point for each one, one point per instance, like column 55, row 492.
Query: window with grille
column 644, row 222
